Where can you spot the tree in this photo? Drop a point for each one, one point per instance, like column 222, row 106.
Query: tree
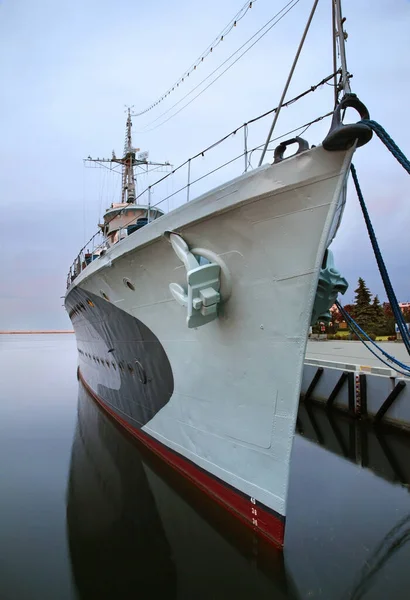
column 389, row 319
column 406, row 315
column 350, row 309
column 387, row 310
column 364, row 313
column 363, row 295
column 379, row 319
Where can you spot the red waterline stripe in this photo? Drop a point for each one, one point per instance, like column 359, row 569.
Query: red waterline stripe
column 245, row 508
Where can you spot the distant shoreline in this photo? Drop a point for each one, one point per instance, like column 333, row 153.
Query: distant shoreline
column 34, row 332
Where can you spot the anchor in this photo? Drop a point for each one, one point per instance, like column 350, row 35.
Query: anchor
column 203, row 285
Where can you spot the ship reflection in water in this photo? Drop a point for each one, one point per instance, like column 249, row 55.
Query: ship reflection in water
column 131, row 534
column 135, row 528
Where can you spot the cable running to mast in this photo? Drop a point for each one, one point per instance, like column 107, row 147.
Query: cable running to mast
column 218, row 67
column 293, row 3
column 302, row 41
column 220, row 37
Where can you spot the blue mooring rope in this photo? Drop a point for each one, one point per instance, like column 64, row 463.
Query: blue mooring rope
column 355, row 327
column 398, row 154
column 382, row 267
column 388, row 142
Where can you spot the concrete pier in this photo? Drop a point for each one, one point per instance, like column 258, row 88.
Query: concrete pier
column 354, row 352
column 344, row 375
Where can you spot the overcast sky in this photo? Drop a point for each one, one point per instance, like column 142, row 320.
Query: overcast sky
column 68, row 68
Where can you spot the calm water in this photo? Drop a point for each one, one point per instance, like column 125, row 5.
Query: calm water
column 84, row 515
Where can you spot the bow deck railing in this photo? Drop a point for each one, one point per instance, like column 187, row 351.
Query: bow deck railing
column 191, row 173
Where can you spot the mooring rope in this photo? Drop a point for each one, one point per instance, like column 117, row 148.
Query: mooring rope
column 388, row 142
column 381, row 265
column 356, row 329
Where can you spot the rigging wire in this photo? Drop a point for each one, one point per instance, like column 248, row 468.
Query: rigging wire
column 218, row 67
column 219, row 38
column 289, row 79
column 84, row 210
column 101, row 164
column 259, row 147
column 102, row 188
column 304, row 127
column 265, row 114
column 293, row 3
column 202, row 153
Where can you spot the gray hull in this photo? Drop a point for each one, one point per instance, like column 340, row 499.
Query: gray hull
column 217, row 401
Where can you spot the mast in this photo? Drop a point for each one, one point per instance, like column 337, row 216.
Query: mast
column 128, row 162
column 342, row 36
column 128, row 181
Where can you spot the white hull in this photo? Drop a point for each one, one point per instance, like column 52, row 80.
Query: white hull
column 236, row 380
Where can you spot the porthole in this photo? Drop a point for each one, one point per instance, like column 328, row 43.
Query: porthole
column 128, row 284
column 114, row 365
column 90, row 303
column 107, row 362
column 121, row 366
column 104, row 295
column 130, row 369
column 82, row 307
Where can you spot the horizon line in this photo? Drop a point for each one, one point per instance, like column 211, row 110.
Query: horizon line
column 31, row 331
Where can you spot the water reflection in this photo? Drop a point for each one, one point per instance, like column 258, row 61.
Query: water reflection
column 348, row 521
column 384, row 451
column 393, row 541
column 131, row 533
column 117, row 544
column 135, row 527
